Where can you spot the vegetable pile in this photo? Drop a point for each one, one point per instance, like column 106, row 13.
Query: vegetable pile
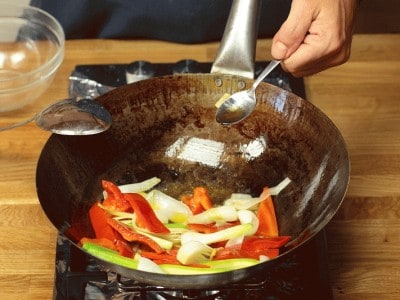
column 140, row 227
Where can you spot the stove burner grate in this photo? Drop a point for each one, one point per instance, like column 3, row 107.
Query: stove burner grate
column 249, row 289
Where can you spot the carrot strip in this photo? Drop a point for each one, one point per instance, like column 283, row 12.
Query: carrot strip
column 200, row 195
column 165, row 257
column 203, row 228
column 199, row 201
column 210, row 228
column 194, row 206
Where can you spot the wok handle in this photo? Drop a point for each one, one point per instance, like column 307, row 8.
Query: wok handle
column 236, row 53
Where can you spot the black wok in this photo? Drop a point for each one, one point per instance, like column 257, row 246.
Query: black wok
column 166, row 127
column 285, row 136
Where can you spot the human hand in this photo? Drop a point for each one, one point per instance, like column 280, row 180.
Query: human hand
column 316, row 36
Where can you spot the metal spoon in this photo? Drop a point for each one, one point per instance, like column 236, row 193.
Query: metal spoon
column 71, row 117
column 241, row 104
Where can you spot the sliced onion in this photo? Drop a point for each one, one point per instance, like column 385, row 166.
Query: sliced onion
column 147, row 265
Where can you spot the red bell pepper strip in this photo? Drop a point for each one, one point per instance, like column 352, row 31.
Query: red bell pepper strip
column 145, row 216
column 261, row 243
column 98, row 218
column 268, row 225
column 168, row 257
column 115, row 198
column 107, row 236
column 132, row 236
column 124, row 248
column 228, row 253
column 253, row 247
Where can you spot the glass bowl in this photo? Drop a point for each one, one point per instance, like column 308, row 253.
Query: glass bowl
column 31, row 51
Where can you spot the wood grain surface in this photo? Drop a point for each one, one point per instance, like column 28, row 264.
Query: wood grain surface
column 361, row 97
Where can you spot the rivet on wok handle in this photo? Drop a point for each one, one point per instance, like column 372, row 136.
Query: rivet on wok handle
column 236, row 54
column 218, row 82
column 241, row 85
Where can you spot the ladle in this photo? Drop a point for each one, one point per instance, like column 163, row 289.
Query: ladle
column 241, row 104
column 70, row 117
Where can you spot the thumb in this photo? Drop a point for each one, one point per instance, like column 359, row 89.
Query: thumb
column 293, row 31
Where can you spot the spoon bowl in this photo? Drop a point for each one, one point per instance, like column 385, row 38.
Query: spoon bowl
column 241, row 104
column 236, row 108
column 70, row 117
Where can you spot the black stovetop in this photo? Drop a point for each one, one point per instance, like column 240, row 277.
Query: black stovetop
column 304, row 274
column 114, row 75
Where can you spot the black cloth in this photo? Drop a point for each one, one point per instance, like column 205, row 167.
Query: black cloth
column 182, row 21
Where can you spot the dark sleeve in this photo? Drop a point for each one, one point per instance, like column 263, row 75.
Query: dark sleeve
column 182, row 21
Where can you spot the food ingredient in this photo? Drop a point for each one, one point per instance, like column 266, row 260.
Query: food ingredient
column 140, row 227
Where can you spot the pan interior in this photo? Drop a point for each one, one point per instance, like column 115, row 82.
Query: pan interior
column 166, row 127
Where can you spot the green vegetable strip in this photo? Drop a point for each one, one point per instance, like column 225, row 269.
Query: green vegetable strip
column 216, row 266
column 232, row 263
column 176, row 225
column 110, row 255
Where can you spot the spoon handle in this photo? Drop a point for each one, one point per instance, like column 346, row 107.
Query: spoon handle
column 264, row 73
column 4, row 128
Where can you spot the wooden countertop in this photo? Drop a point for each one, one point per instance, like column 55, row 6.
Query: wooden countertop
column 361, row 97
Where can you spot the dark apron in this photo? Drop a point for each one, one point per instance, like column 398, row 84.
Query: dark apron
column 182, row 21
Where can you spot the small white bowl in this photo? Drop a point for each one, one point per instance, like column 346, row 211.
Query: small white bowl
column 31, row 51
